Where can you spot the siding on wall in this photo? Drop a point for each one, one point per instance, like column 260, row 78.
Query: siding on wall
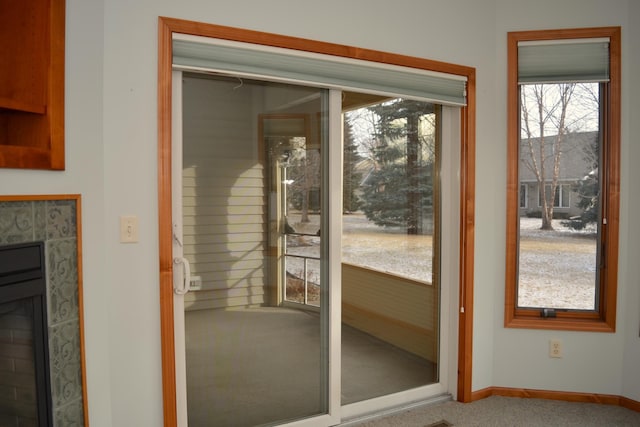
column 223, row 196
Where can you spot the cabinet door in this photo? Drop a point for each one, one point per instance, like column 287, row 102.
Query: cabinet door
column 23, row 39
column 32, row 84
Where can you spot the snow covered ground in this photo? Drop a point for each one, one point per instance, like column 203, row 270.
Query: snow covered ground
column 557, row 268
column 366, row 244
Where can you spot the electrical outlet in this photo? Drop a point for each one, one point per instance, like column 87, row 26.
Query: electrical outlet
column 555, row 348
column 196, row 283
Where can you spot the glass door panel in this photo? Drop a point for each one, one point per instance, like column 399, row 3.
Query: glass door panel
column 390, row 246
column 251, row 213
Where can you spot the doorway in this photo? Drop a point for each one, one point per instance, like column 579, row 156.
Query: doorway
column 256, row 312
column 250, row 359
column 331, row 408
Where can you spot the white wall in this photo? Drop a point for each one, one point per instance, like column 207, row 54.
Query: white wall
column 630, row 242
column 84, row 175
column 112, row 161
column 592, row 361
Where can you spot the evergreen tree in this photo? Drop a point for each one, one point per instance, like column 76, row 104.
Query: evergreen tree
column 588, row 189
column 398, row 192
column 351, row 177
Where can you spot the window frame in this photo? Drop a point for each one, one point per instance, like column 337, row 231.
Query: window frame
column 604, row 318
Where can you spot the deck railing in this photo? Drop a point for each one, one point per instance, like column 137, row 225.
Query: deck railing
column 293, row 291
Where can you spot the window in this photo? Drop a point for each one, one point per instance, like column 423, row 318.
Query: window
column 523, row 195
column 561, row 195
column 395, row 190
column 564, row 142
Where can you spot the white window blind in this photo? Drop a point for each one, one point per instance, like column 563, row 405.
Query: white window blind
column 558, row 61
column 244, row 59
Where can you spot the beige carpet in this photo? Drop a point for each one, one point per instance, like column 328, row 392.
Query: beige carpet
column 499, row 411
column 249, row 367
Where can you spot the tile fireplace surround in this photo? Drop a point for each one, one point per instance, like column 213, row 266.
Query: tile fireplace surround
column 55, row 222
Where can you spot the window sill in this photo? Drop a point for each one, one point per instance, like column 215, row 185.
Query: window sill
column 559, row 323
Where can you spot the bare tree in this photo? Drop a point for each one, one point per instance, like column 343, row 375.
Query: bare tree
column 304, row 174
column 544, row 128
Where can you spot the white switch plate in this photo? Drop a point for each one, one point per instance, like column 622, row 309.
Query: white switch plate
column 128, row 229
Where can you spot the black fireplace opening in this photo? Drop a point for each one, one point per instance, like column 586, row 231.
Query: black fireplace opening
column 25, row 385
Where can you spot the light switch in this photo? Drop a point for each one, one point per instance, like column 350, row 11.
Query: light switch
column 128, row 229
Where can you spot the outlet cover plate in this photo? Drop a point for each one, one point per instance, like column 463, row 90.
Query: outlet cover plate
column 555, row 348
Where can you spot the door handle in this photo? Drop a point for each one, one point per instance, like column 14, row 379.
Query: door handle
column 186, row 277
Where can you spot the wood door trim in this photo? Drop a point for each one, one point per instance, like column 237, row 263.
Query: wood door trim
column 165, row 221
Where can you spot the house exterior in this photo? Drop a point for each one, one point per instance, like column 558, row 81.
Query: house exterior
column 111, row 122
column 577, row 149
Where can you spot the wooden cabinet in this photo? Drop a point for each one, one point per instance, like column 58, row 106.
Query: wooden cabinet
column 32, row 84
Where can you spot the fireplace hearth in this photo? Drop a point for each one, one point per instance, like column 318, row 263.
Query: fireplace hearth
column 25, row 385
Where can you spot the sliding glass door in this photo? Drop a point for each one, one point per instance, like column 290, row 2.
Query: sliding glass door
column 390, row 246
column 251, row 172
column 255, row 214
column 315, row 219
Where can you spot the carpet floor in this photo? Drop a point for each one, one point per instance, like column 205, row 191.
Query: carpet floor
column 249, row 367
column 509, row 412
